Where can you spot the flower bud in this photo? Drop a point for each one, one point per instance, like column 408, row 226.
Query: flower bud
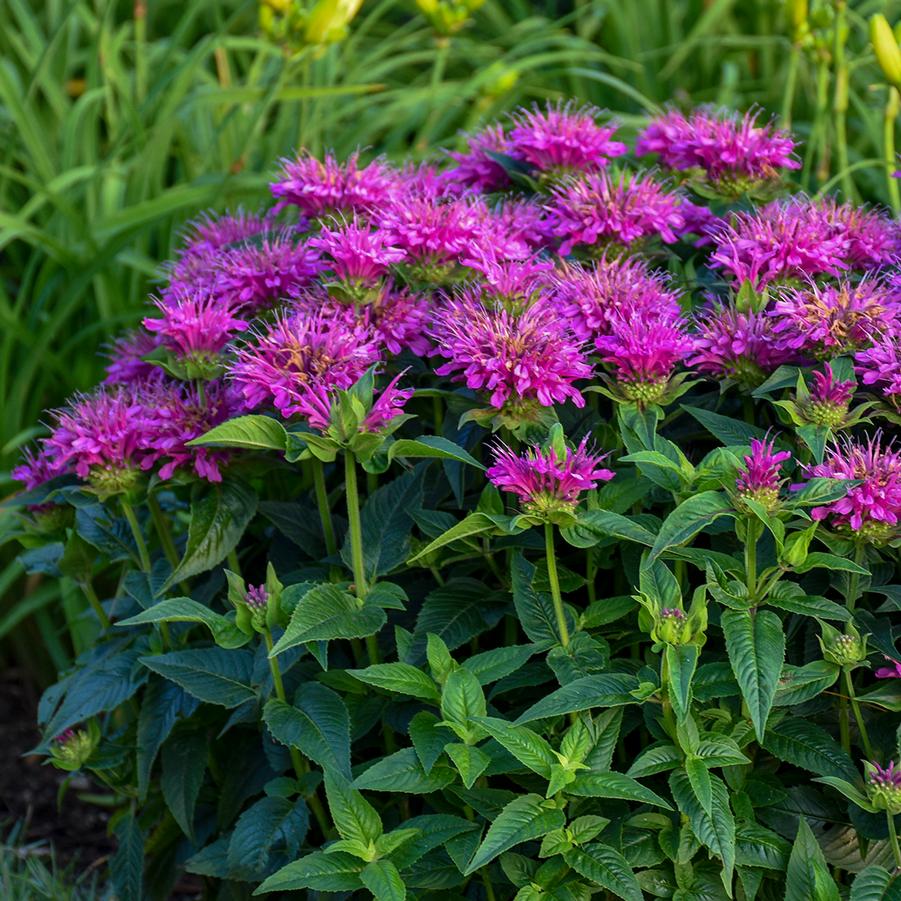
column 72, row 749
column 884, row 786
column 885, row 46
column 671, row 626
column 848, row 649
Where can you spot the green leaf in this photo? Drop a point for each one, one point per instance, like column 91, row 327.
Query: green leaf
column 398, row 677
column 602, row 690
column 681, row 662
column 429, row 738
column 490, row 666
column 317, row 724
column 809, row 605
column 259, row 828
column 321, row 872
column 699, row 780
column 127, row 863
column 434, row 447
column 213, row 675
column 528, row 747
column 523, row 819
column 383, row 880
column 218, row 520
column 474, row 524
column 354, row 817
column 689, row 518
column 184, row 764
column 324, row 613
column 595, row 525
column 729, row 432
column 402, row 771
column 469, row 761
column 851, row 792
column 798, row 684
column 807, row 876
column 606, row 867
column 806, row 745
column 250, row 432
column 534, row 609
column 820, row 560
column 462, row 699
column 655, row 759
column 614, row 785
column 184, row 610
column 875, row 883
column 819, row 491
column 715, row 830
column 756, row 648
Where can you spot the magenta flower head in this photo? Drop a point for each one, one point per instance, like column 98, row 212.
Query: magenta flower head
column 780, row 241
column 256, row 597
column 127, row 364
column 874, row 239
column 830, row 320
column 603, row 210
column 476, row 169
column 739, row 345
column 870, row 511
column 37, row 467
column 105, row 437
column 324, row 412
column 195, row 327
column 734, row 152
column 760, row 479
column 328, row 188
column 522, row 221
column 643, row 352
column 524, row 360
column 356, row 256
column 884, row 786
column 880, row 364
column 892, row 671
column 615, row 287
column 549, row 480
column 210, row 232
column 181, row 413
column 300, row 354
column 828, row 399
column 563, row 139
column 514, row 284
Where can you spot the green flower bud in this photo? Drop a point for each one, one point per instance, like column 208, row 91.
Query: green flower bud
column 884, row 786
column 73, row 748
column 885, row 46
column 848, row 649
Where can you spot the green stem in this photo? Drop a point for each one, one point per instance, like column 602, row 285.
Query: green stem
column 161, row 526
column 555, row 584
column 840, row 97
column 94, row 601
column 325, row 510
column 669, row 718
column 234, row 562
column 892, row 106
column 129, row 514
column 858, row 715
column 297, row 761
column 854, row 578
column 354, row 527
column 893, row 837
column 791, row 80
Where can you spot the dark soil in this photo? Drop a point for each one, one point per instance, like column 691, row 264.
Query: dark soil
column 29, row 789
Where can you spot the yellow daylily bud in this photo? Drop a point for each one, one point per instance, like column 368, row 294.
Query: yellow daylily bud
column 885, row 46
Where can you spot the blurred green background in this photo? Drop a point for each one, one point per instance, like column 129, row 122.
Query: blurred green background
column 119, row 121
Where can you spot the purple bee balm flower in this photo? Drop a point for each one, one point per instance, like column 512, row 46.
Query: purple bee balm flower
column 886, row 776
column 182, row 413
column 104, row 436
column 194, row 323
column 880, row 364
column 256, row 597
column 892, row 671
column 327, row 187
column 545, row 483
column 563, row 138
column 355, row 253
column 827, row 390
column 301, row 352
column 830, row 320
column 782, row 240
column 127, row 364
column 761, row 477
column 873, row 238
column 523, row 221
column 737, row 345
column 616, row 286
column 726, row 146
column 516, row 282
column 643, row 352
column 475, row 169
column 388, row 405
column 515, row 357
column 37, row 467
column 602, row 210
column 211, row 232
column 871, row 509
column 884, row 786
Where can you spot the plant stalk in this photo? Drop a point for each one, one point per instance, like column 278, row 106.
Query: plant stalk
column 892, row 107
column 554, row 580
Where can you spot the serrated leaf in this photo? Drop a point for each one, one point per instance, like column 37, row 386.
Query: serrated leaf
column 317, row 724
column 756, row 647
column 681, row 662
column 402, row 771
column 325, row 613
column 399, row 677
column 184, row 759
column 127, row 863
column 218, row 520
column 655, row 759
column 185, row 610
column 469, row 761
column 699, row 780
column 807, row 877
column 490, row 666
column 429, row 738
column 321, row 872
column 595, row 525
column 213, row 675
column 355, row 818
column 806, row 745
column 528, row 747
column 433, row 447
column 614, row 785
column 382, row 878
column 689, row 518
column 253, row 432
column 602, row 690
column 730, row 432
column 474, row 524
column 875, row 883
column 259, row 828
column 605, row 867
column 462, row 698
column 523, row 819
